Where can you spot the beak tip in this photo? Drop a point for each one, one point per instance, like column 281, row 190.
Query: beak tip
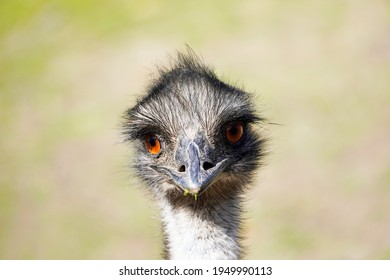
column 195, row 190
column 192, row 191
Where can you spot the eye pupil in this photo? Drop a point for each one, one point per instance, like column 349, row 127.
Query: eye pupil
column 233, row 131
column 152, row 141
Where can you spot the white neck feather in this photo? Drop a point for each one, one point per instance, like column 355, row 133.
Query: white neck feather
column 202, row 233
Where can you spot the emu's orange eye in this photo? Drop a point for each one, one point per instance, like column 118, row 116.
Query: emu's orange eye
column 234, row 132
column 152, row 144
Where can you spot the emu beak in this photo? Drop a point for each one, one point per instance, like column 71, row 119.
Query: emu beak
column 195, row 175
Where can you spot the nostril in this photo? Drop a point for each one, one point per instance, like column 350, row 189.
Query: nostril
column 207, row 165
column 182, row 168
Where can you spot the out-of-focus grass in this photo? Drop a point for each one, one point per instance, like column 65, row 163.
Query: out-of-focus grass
column 68, row 69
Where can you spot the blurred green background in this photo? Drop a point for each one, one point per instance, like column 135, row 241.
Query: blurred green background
column 69, row 69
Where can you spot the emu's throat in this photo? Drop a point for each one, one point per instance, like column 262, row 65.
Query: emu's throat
column 208, row 233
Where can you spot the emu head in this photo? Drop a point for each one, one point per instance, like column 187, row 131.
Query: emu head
column 193, row 134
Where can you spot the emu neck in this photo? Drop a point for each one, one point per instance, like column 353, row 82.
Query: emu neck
column 207, row 232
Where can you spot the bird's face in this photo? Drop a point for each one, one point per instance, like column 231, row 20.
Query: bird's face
column 197, row 159
column 194, row 135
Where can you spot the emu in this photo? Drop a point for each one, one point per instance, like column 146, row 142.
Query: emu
column 197, row 148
